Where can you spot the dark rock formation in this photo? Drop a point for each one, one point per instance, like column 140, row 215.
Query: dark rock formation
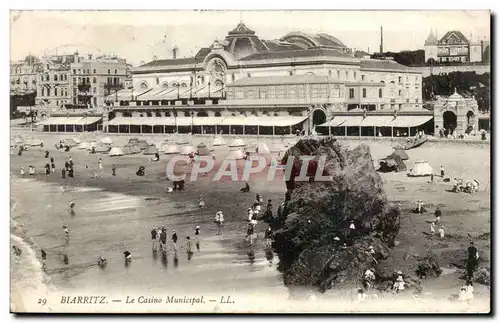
column 482, row 276
column 428, row 267
column 313, row 240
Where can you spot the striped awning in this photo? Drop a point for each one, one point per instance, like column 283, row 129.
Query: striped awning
column 70, row 121
column 409, row 121
column 209, row 121
column 376, row 121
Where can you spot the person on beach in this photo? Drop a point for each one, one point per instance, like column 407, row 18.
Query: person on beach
column 46, row 154
column 66, row 164
column 442, row 171
column 99, row 164
column 44, row 258
column 174, row 239
column 399, row 284
column 188, row 245
column 154, row 238
column 63, row 173
column 219, row 220
column 201, row 204
column 246, row 188
column 66, row 261
column 250, row 214
column 113, row 170
column 441, row 232
column 197, row 237
column 433, row 227
column 31, row 170
column 102, row 262
column 53, row 167
column 47, row 169
column 21, row 171
column 66, row 231
column 71, row 209
column 437, row 214
column 70, row 162
column 71, row 172
column 472, row 259
column 268, row 236
column 128, row 256
column 163, row 240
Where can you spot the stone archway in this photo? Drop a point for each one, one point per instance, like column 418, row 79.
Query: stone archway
column 449, row 122
column 318, row 117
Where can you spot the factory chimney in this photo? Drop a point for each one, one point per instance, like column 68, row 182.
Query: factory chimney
column 174, row 52
column 381, row 40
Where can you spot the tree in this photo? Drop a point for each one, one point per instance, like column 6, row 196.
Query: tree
column 30, row 59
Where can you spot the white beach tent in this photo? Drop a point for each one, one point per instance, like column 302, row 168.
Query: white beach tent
column 421, row 168
column 182, row 140
column 106, row 140
column 76, row 139
column 219, row 141
column 236, row 155
column 238, row 142
column 84, row 145
column 277, row 147
column 262, row 148
column 188, row 149
column 171, row 149
column 116, row 151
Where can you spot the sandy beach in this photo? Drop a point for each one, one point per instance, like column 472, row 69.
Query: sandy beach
column 116, row 213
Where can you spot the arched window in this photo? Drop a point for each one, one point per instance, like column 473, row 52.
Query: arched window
column 183, row 85
column 164, row 84
column 217, row 114
column 55, row 77
column 144, row 85
column 175, row 84
column 233, row 114
column 187, row 114
column 157, row 114
column 157, row 80
column 167, row 114
column 202, row 114
column 141, row 115
column 149, row 114
column 276, row 114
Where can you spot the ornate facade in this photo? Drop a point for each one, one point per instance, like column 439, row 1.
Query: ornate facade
column 456, row 114
column 455, row 47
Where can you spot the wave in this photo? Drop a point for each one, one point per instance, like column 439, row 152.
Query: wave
column 26, row 271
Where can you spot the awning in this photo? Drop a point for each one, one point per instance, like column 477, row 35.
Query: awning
column 352, row 121
column 126, row 94
column 209, row 121
column 376, row 121
column 154, row 94
column 409, row 121
column 70, row 121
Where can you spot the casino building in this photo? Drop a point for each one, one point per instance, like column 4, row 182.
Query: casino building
column 246, row 85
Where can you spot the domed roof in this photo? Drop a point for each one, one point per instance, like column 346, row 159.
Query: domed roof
column 242, row 42
column 455, row 96
column 306, row 40
column 241, row 29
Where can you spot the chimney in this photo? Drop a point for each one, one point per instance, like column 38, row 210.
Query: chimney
column 174, row 52
column 381, row 40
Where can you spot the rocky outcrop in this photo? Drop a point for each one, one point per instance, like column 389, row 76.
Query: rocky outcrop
column 313, row 239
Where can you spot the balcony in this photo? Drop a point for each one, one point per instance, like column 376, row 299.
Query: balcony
column 113, row 87
column 84, row 87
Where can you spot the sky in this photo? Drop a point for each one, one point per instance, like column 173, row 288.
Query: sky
column 140, row 35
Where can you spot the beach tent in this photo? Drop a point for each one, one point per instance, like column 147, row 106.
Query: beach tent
column 263, row 148
column 101, row 148
column 133, row 141
column 421, row 168
column 188, row 149
column 33, row 142
column 92, row 144
column 277, row 147
column 76, row 139
column 171, row 149
column 116, row 151
column 219, row 141
column 238, row 142
column 401, row 153
column 70, row 142
column 182, row 140
column 203, row 150
column 392, row 163
column 106, row 140
column 18, row 139
column 236, row 155
column 141, row 144
column 84, row 145
column 150, row 150
column 130, row 150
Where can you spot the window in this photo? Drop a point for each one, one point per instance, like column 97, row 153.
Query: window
column 116, row 72
column 94, row 90
column 346, row 75
column 94, row 70
column 380, row 93
column 382, row 106
column 239, row 94
column 109, row 71
column 79, row 71
column 74, row 92
column 232, row 77
column 55, row 77
column 330, row 73
column 94, row 80
column 362, row 77
column 249, row 75
column 55, row 92
column 364, row 93
column 48, row 92
column 43, row 91
column 354, row 75
column 351, row 93
column 79, row 80
column 338, row 74
column 74, row 80
column 407, row 100
column 399, row 79
column 262, row 95
column 88, row 80
column 74, row 71
column 416, row 100
column 400, row 92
